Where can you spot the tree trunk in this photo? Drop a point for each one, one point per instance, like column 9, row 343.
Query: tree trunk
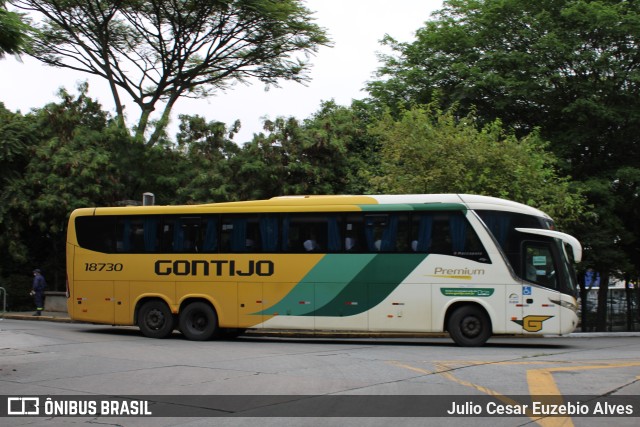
column 603, row 292
column 629, row 297
column 584, row 307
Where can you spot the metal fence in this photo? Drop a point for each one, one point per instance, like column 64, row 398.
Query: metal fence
column 622, row 310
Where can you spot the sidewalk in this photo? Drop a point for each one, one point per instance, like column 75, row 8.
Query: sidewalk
column 51, row 316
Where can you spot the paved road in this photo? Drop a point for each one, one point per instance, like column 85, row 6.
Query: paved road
column 47, row 358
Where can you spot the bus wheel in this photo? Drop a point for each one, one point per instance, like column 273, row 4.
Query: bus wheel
column 155, row 319
column 198, row 321
column 469, row 326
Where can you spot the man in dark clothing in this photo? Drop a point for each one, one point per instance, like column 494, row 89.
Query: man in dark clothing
column 38, row 291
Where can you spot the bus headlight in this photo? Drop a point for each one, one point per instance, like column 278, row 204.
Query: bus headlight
column 566, row 304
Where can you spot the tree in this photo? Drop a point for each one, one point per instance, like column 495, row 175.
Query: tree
column 339, row 136
column 156, row 51
column 330, row 152
column 13, row 32
column 17, row 136
column 207, row 172
column 428, row 151
column 64, row 156
column 569, row 67
column 69, row 165
column 280, row 163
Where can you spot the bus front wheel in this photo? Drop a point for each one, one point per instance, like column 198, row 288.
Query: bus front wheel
column 469, row 326
column 198, row 321
column 155, row 319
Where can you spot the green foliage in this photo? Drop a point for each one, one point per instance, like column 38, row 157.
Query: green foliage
column 569, row 67
column 427, row 151
column 13, row 32
column 340, row 135
column 279, row 163
column 207, row 171
column 63, row 156
column 16, row 136
column 329, row 153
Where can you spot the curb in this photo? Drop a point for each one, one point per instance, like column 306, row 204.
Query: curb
column 62, row 318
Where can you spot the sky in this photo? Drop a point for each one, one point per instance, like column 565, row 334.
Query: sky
column 338, row 73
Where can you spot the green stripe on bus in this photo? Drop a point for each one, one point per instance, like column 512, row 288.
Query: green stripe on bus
column 369, row 287
column 366, row 280
column 321, row 276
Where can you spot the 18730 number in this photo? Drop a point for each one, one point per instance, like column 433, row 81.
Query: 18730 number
column 102, row 266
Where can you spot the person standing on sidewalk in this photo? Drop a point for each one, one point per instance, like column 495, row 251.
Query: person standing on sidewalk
column 38, row 291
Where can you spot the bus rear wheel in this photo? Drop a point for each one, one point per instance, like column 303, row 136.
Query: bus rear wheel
column 155, row 319
column 198, row 321
column 469, row 326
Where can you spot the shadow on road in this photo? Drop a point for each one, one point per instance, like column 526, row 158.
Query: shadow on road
column 441, row 341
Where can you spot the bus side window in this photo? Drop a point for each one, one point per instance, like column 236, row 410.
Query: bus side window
column 446, row 233
column 129, row 232
column 240, row 233
column 421, row 232
column 210, row 242
column 381, row 231
column 138, row 234
column 269, row 232
column 311, row 233
column 354, row 240
column 166, row 234
column 190, row 234
column 96, row 233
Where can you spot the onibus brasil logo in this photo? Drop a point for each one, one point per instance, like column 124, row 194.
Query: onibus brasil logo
column 70, row 406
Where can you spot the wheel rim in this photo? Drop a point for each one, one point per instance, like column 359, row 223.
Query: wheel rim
column 155, row 319
column 471, row 326
column 198, row 322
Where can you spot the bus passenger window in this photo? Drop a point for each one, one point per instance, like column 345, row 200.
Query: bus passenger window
column 269, row 232
column 210, row 242
column 354, row 240
column 381, row 231
column 421, row 232
column 96, row 233
column 135, row 237
column 310, row 233
column 130, row 232
column 240, row 234
column 187, row 235
column 138, row 234
column 446, row 233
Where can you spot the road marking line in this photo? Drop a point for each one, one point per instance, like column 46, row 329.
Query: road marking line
column 540, row 382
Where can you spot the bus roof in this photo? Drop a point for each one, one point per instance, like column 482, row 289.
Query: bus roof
column 333, row 203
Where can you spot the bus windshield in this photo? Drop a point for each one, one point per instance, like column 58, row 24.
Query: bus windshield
column 536, row 252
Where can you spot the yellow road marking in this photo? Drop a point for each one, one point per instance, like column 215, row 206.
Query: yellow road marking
column 540, row 382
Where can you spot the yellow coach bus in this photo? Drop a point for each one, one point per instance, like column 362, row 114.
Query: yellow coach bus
column 470, row 265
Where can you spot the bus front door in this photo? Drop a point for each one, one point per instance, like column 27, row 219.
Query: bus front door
column 541, row 300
